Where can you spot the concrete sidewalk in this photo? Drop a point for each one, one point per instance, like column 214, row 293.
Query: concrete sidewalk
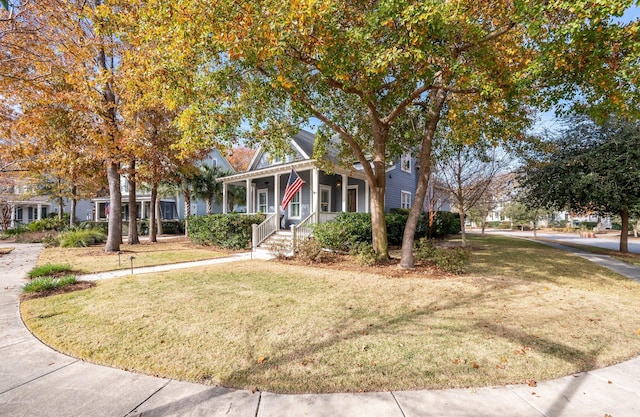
column 37, row 381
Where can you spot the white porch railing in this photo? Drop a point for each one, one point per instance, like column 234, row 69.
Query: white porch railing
column 260, row 232
column 325, row 216
column 304, row 229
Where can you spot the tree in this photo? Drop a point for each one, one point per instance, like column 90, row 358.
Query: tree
column 240, row 157
column 522, row 215
column 358, row 67
column 48, row 138
column 70, row 40
column 589, row 167
column 468, row 172
column 206, row 186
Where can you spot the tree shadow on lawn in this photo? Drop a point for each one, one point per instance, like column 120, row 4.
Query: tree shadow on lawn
column 344, row 331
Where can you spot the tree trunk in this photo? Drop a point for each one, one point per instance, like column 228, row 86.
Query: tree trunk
column 209, row 205
column 114, row 234
column 463, row 230
column 378, row 223
column 186, row 193
column 74, row 204
column 132, row 237
column 152, row 215
column 535, row 229
column 158, row 216
column 437, row 98
column 624, row 233
column 484, row 225
column 60, row 208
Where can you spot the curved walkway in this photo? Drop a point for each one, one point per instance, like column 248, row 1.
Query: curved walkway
column 38, row 381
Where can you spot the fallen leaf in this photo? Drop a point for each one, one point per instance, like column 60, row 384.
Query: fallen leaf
column 531, row 383
column 609, row 382
column 261, row 360
column 475, row 365
column 500, row 366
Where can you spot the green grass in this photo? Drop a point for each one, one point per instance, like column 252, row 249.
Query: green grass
column 48, row 283
column 49, row 269
column 523, row 311
column 94, row 259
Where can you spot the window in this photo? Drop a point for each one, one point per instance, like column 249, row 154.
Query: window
column 294, row 206
column 405, row 162
column 325, row 198
column 263, row 201
column 405, row 199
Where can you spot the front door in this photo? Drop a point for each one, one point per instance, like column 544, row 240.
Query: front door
column 352, row 200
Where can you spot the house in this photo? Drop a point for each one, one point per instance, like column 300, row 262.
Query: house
column 323, row 194
column 19, row 204
column 171, row 206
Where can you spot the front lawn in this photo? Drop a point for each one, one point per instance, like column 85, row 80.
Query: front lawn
column 94, row 259
column 525, row 312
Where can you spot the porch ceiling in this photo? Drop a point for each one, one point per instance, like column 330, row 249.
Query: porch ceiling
column 284, row 169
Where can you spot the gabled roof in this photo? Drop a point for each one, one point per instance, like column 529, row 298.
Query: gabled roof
column 301, row 146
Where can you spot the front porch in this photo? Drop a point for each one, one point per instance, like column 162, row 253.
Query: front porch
column 320, row 199
column 324, row 193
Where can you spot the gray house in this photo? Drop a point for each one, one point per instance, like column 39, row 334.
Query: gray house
column 323, row 194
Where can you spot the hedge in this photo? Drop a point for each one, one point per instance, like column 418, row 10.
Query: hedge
column 228, row 231
column 349, row 229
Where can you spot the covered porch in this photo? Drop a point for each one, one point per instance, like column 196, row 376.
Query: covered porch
column 321, row 193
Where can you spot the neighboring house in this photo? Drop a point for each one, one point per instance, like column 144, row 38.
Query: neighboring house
column 344, row 190
column 19, row 204
column 171, row 207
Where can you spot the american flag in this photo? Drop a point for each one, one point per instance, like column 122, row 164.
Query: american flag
column 294, row 185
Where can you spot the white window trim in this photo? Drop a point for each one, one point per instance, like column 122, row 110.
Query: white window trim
column 402, row 194
column 266, row 192
column 405, row 157
column 354, row 187
column 325, row 188
column 299, row 216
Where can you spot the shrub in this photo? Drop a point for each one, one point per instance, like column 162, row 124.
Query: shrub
column 48, row 283
column 310, row 251
column 47, row 224
column 173, row 227
column 35, row 237
column 344, row 231
column 364, row 254
column 48, row 270
column 16, row 230
column 81, row 238
column 228, row 231
column 423, row 250
column 350, row 228
column 104, row 226
column 450, row 260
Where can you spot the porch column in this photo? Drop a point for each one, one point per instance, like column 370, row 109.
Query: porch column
column 345, row 182
column 151, row 204
column 224, row 198
column 276, row 194
column 248, row 202
column 97, row 212
column 315, row 189
column 13, row 215
column 39, row 212
column 367, row 197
